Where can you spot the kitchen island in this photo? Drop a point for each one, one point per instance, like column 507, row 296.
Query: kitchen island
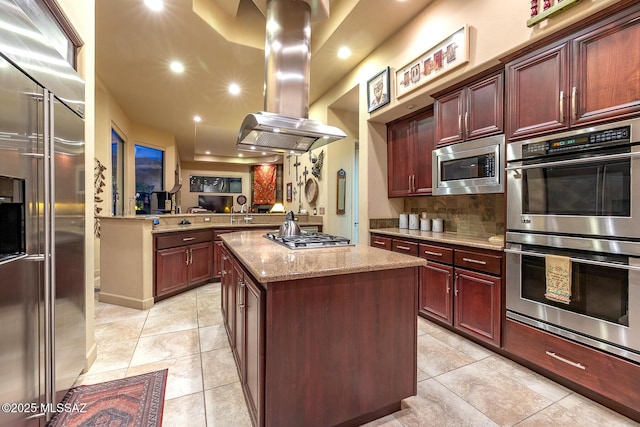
column 322, row 336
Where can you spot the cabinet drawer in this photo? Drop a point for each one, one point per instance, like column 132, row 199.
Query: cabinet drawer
column 605, row 374
column 405, row 247
column 183, row 238
column 479, row 261
column 436, row 253
column 381, row 242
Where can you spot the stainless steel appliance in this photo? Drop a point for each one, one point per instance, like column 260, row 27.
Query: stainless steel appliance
column 577, row 182
column 308, row 240
column 605, row 289
column 284, row 126
column 576, row 196
column 42, row 290
column 470, row 167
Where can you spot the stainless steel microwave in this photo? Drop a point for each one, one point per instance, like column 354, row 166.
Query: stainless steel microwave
column 471, row 167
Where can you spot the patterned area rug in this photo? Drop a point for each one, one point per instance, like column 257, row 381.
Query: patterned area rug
column 129, row 402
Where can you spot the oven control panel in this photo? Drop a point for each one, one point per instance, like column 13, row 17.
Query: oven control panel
column 581, row 142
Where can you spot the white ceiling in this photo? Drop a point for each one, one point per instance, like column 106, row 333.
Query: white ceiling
column 219, row 42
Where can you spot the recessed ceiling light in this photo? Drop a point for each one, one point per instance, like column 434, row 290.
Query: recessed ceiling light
column 264, row 154
column 197, row 119
column 176, row 67
column 155, row 5
column 207, row 152
column 234, row 89
column 344, row 52
column 240, row 155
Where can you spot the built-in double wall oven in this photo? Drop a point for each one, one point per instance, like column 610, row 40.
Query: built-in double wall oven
column 573, row 239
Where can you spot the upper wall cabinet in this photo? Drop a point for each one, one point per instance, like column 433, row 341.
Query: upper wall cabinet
column 589, row 77
column 409, row 146
column 471, row 111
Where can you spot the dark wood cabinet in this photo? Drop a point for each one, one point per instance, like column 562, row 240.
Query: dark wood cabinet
column 594, row 371
column 460, row 286
column 253, row 349
column 436, row 290
column 472, row 111
column 182, row 260
column 227, row 290
column 589, row 77
column 478, row 307
column 409, row 146
column 243, row 315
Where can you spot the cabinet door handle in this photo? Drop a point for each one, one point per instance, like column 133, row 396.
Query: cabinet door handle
column 188, row 239
column 378, row 242
column 190, row 256
column 404, row 248
column 241, row 304
column 574, row 110
column 460, row 124
column 409, row 176
column 448, row 287
column 186, row 256
column 562, row 106
column 466, row 123
column 567, row 361
column 432, row 253
column 413, row 183
column 474, row 261
column 455, row 284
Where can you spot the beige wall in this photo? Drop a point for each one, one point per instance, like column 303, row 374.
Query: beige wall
column 496, row 28
column 82, row 17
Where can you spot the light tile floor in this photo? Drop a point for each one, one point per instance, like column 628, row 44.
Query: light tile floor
column 459, row 382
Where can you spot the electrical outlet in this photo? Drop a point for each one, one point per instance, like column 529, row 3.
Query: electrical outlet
column 321, row 210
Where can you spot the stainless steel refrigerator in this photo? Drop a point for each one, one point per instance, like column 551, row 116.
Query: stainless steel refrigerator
column 42, row 226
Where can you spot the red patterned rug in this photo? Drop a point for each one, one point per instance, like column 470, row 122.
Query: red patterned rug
column 129, row 402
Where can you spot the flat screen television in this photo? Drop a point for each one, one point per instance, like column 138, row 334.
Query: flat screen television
column 217, row 204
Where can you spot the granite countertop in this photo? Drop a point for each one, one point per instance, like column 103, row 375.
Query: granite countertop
column 495, row 243
column 159, row 229
column 269, row 261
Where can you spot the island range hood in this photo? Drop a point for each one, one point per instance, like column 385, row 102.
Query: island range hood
column 284, row 126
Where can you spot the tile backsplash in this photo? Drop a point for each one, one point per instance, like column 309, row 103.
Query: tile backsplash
column 473, row 214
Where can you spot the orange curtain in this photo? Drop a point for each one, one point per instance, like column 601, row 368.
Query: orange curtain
column 264, row 184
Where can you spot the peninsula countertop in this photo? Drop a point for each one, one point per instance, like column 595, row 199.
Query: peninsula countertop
column 269, row 261
column 495, row 243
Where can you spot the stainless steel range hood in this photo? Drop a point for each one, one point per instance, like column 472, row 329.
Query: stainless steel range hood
column 284, row 126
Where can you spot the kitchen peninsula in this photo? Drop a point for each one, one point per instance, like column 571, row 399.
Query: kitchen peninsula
column 322, row 336
column 130, row 253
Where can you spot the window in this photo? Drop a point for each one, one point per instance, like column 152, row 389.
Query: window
column 117, row 172
column 149, row 164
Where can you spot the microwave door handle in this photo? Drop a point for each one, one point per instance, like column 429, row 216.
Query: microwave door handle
column 574, row 161
column 577, row 260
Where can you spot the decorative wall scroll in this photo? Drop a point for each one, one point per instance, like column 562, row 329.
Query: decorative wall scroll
column 264, row 184
column 442, row 58
column 214, row 184
column 547, row 9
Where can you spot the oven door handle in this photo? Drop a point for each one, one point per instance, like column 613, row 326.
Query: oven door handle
column 574, row 161
column 578, row 260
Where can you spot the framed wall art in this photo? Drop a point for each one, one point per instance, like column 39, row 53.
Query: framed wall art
column 437, row 61
column 378, row 90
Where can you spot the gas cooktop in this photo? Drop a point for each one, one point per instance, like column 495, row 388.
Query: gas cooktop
column 308, row 240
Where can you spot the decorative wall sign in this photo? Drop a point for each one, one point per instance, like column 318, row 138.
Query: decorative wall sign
column 442, row 58
column 548, row 10
column 378, row 90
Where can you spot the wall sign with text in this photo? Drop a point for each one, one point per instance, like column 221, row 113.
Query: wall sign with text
column 442, row 58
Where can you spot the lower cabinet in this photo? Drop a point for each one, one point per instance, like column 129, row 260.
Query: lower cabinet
column 597, row 372
column 182, row 260
column 459, row 286
column 243, row 313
